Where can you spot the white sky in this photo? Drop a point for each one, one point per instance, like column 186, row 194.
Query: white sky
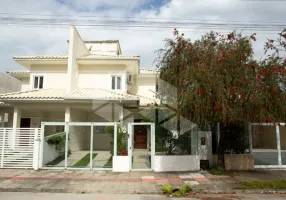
column 21, row 40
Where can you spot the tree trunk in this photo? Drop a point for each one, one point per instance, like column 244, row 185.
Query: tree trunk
column 221, row 148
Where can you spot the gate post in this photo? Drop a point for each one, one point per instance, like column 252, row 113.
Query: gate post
column 36, row 150
column 3, row 149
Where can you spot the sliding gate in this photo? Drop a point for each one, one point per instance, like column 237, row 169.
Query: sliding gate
column 18, row 147
column 78, row 145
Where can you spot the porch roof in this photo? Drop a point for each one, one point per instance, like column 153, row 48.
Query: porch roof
column 100, row 94
column 78, row 94
column 42, row 94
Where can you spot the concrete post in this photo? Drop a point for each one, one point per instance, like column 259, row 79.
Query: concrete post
column 16, row 124
column 2, row 116
column 36, row 153
column 278, row 144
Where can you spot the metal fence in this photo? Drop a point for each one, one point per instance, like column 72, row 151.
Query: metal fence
column 17, row 147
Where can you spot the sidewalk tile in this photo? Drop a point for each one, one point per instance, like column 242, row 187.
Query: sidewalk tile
column 201, row 179
column 186, row 176
column 197, row 175
column 192, row 182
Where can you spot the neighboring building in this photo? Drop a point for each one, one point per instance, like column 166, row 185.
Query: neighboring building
column 8, row 84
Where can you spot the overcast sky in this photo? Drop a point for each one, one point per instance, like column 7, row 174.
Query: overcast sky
column 24, row 40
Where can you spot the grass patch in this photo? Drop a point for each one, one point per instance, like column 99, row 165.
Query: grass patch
column 217, row 171
column 56, row 161
column 84, row 161
column 109, row 163
column 280, row 184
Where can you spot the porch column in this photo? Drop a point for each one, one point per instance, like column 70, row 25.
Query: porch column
column 16, row 124
column 2, row 115
column 67, row 119
column 278, row 145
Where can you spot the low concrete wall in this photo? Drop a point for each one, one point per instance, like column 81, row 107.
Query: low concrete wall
column 121, row 164
column 176, row 163
column 50, row 153
column 238, row 162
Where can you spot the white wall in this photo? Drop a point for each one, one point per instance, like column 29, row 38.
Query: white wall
column 205, row 151
column 50, row 153
column 102, row 48
column 121, row 164
column 176, row 163
column 55, row 76
column 144, row 86
column 25, row 84
column 77, row 49
column 79, row 135
column 100, row 76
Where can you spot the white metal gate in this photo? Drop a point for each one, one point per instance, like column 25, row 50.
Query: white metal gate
column 17, row 147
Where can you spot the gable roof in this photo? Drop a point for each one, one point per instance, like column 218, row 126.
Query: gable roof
column 99, row 94
column 42, row 57
column 81, row 93
column 42, row 94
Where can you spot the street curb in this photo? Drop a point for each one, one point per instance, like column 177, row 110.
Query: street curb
column 75, row 191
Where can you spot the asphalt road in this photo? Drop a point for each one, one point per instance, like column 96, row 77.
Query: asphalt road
column 69, row 196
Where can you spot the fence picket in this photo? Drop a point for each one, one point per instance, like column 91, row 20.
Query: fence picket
column 17, row 150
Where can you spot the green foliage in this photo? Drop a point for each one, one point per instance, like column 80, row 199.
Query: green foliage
column 167, row 189
column 188, row 188
column 59, row 142
column 218, row 80
column 183, row 191
column 84, row 161
column 234, row 138
column 108, row 164
column 218, row 171
column 122, row 138
column 56, row 161
column 184, row 143
column 279, row 184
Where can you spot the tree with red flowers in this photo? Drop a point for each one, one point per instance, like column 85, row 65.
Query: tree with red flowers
column 218, row 80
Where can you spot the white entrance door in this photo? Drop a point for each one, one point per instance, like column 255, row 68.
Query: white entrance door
column 141, row 156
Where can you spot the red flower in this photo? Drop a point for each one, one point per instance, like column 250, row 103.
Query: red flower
column 254, row 38
column 218, row 108
column 270, row 119
column 271, row 41
column 123, row 152
column 230, row 36
column 232, row 90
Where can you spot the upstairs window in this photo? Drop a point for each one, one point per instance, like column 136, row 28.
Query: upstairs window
column 38, row 82
column 116, row 83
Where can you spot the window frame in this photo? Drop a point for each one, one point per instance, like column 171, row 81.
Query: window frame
column 38, row 84
column 116, row 82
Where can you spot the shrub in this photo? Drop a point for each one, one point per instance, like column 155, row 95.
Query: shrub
column 167, row 189
column 183, row 191
column 188, row 187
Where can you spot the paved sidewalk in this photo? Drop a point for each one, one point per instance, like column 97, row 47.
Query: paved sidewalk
column 107, row 182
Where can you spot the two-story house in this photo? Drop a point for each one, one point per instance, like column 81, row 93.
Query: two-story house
column 62, row 87
column 94, row 83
